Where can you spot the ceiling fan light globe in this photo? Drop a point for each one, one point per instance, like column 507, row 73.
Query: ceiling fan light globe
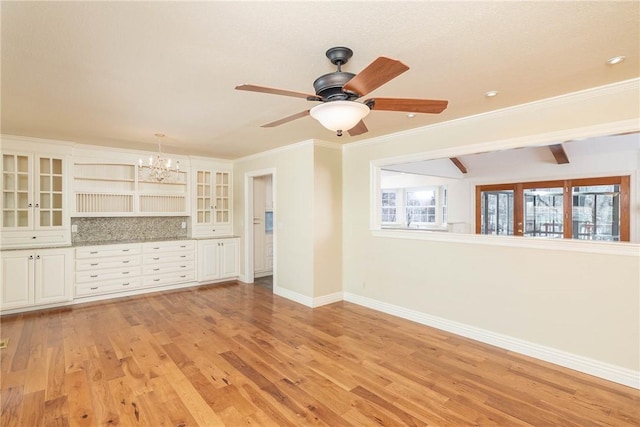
column 339, row 115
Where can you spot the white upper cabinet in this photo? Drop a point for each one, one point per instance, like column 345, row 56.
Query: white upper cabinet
column 34, row 196
column 211, row 213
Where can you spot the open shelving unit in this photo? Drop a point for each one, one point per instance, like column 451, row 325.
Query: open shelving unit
column 116, row 189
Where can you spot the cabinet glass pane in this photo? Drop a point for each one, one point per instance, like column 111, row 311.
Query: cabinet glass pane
column 8, row 163
column 543, row 212
column 45, row 165
column 23, row 218
column 23, row 200
column 8, row 200
column 9, row 218
column 56, row 166
column 45, row 201
column 56, row 219
column 45, row 219
column 45, row 183
column 9, row 182
column 22, row 164
column 57, row 183
column 57, row 201
column 23, row 182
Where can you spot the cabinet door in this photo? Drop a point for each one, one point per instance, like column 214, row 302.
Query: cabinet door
column 17, row 188
column 222, row 206
column 208, row 251
column 52, row 276
column 48, row 199
column 204, row 204
column 229, row 258
column 17, row 279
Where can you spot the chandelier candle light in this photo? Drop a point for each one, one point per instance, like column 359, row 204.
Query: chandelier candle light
column 159, row 168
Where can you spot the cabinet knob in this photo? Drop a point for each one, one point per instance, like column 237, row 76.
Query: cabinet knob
column 37, row 205
column 37, row 256
column 30, row 257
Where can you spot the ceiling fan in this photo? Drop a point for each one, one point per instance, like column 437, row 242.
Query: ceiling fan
column 338, row 91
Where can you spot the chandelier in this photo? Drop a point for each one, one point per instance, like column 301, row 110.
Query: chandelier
column 158, row 168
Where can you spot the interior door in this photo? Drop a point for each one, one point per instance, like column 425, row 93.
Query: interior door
column 259, row 254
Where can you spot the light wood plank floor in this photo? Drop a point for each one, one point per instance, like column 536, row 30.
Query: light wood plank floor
column 236, row 355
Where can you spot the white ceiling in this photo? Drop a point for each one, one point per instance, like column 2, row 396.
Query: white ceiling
column 115, row 73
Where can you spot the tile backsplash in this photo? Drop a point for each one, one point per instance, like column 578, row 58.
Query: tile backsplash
column 128, row 228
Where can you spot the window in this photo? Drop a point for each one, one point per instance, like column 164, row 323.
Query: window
column 585, row 209
column 389, row 206
column 421, row 207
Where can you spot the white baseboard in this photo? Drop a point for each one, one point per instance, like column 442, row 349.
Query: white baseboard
column 305, row 300
column 576, row 362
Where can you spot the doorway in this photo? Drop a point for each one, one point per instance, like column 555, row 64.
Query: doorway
column 260, row 228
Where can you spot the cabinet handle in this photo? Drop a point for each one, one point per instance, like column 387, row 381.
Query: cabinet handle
column 155, row 259
column 183, row 256
column 156, row 269
column 156, row 280
column 125, row 272
column 94, row 275
column 183, row 276
column 125, row 262
column 34, row 237
column 125, row 284
column 183, row 266
column 125, row 250
column 93, row 252
column 93, row 265
column 156, row 248
column 93, row 289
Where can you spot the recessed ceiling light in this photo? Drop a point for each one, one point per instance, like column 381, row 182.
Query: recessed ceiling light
column 615, row 60
column 491, row 93
column 411, row 115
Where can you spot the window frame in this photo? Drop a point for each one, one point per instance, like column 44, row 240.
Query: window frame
column 402, row 208
column 567, row 184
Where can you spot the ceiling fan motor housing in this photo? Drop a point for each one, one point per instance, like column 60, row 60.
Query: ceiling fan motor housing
column 329, row 86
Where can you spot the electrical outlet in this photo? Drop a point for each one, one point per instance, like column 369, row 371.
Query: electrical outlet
column 74, row 228
column 184, row 224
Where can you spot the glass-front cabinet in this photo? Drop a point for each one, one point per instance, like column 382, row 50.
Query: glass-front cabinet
column 211, row 211
column 33, row 199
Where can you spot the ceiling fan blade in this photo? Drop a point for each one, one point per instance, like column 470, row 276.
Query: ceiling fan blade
column 433, row 106
column 358, row 129
column 286, row 119
column 274, row 91
column 375, row 75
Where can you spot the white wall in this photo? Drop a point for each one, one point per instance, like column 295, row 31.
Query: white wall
column 327, row 223
column 293, row 215
column 573, row 302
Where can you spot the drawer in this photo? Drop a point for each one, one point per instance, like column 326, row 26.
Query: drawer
column 101, row 275
column 108, row 250
column 107, row 262
column 107, row 287
column 34, row 239
column 172, row 246
column 161, row 258
column 169, row 279
column 167, row 268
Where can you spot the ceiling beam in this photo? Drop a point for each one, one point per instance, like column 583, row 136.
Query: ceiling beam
column 558, row 152
column 458, row 164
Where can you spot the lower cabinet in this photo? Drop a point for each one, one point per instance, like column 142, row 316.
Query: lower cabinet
column 107, row 269
column 36, row 277
column 218, row 259
column 166, row 263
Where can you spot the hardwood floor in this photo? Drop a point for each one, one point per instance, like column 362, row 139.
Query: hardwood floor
column 237, row 355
